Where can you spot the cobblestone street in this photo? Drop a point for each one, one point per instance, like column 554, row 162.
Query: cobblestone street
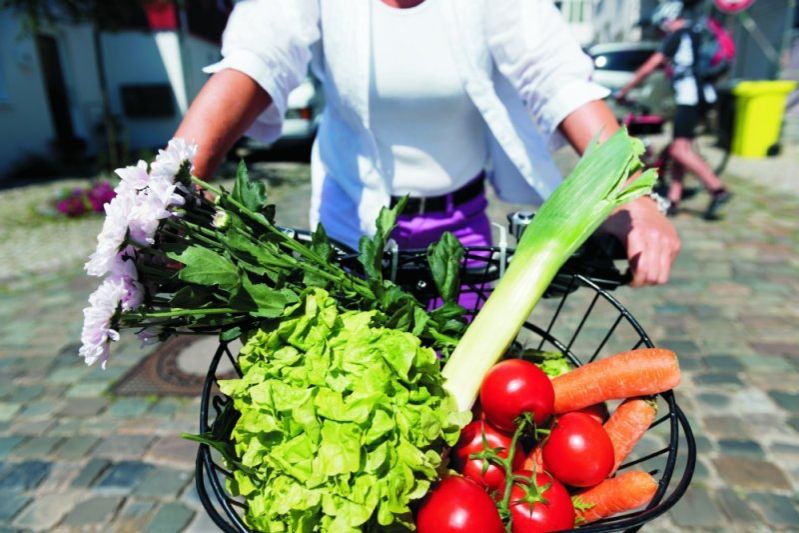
column 75, row 458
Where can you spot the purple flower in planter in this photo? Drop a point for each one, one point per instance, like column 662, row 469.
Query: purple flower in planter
column 73, row 205
column 100, row 194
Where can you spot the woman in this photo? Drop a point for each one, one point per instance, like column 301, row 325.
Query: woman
column 423, row 97
column 693, row 96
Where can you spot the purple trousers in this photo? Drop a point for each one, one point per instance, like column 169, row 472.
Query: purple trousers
column 467, row 221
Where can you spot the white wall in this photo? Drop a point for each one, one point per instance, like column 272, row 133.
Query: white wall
column 77, row 48
column 140, row 58
column 136, row 58
column 198, row 54
column 25, row 126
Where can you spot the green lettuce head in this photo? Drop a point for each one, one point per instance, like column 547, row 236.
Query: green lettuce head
column 342, row 424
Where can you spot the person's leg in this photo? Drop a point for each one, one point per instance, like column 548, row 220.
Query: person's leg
column 676, row 176
column 682, row 151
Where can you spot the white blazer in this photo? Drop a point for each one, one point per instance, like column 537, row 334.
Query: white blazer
column 518, row 61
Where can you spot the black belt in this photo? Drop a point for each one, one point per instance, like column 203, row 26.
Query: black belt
column 439, row 204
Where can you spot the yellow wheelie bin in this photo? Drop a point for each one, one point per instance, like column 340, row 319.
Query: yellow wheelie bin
column 759, row 108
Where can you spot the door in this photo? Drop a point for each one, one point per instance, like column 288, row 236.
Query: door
column 55, row 86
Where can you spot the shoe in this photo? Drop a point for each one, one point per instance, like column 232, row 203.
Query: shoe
column 718, row 199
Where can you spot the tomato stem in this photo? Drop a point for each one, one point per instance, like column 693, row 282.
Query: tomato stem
column 522, row 423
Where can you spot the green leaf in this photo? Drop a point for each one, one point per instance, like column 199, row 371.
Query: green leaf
column 230, row 334
column 371, row 250
column 192, row 297
column 320, row 245
column 444, row 258
column 268, row 302
column 260, row 257
column 553, row 364
column 250, row 193
column 206, row 267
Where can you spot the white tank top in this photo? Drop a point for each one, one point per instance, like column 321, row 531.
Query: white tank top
column 430, row 135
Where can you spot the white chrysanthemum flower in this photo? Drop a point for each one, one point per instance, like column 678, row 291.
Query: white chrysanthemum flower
column 152, row 206
column 165, row 191
column 145, row 217
column 168, row 162
column 97, row 332
column 133, row 177
column 111, row 237
column 124, row 269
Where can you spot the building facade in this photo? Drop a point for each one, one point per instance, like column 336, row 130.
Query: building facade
column 50, row 98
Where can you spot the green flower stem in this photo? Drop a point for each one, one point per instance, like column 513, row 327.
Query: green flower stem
column 199, row 237
column 207, row 233
column 261, row 220
column 186, row 312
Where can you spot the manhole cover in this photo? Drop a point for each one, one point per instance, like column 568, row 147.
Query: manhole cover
column 176, row 368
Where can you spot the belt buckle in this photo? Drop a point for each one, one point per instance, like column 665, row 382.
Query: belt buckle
column 422, row 205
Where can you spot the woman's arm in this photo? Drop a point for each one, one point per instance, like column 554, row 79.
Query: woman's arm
column 226, row 106
column 651, row 241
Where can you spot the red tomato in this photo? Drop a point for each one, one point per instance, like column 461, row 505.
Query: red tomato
column 554, row 511
column 458, row 504
column 471, row 441
column 598, row 411
column 578, row 451
column 514, row 387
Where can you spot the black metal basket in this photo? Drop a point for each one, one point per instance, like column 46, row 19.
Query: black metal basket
column 583, row 324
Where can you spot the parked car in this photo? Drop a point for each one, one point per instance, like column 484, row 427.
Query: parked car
column 304, row 109
column 303, row 113
column 615, row 64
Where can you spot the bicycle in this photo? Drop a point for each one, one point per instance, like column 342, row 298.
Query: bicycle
column 709, row 143
column 585, row 280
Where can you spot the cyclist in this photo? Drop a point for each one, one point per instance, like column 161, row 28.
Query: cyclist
column 692, row 94
column 420, row 96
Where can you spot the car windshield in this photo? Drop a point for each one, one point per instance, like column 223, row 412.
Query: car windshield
column 625, row 60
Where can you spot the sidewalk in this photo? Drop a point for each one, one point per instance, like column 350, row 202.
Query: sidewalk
column 75, row 458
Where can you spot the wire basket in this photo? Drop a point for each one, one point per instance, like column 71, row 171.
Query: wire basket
column 584, row 324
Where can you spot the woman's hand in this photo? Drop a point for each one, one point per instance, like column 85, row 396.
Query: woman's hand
column 651, row 241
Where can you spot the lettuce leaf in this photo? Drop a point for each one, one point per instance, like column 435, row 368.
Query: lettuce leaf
column 342, row 423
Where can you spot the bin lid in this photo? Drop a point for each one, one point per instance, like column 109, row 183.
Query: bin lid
column 753, row 88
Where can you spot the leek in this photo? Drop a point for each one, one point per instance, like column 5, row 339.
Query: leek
column 598, row 185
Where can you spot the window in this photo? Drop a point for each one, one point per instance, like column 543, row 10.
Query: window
column 148, row 101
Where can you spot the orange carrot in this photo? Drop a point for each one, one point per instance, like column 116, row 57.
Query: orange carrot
column 535, row 459
column 624, row 492
column 627, row 425
column 636, row 373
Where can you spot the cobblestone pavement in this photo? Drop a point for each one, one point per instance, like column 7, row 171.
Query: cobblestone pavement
column 75, row 458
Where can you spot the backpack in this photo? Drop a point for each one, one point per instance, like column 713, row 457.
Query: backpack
column 716, row 49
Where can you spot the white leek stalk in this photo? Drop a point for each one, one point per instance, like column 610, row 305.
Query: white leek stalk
column 596, row 187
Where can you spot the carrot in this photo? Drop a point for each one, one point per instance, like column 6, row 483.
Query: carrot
column 627, row 425
column 636, row 373
column 535, row 459
column 624, row 492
